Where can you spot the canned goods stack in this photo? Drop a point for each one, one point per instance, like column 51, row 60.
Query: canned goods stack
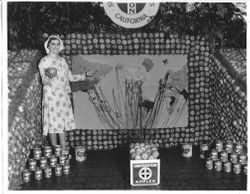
column 225, row 156
column 47, row 160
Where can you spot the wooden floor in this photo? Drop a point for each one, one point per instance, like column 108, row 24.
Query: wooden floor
column 109, row 170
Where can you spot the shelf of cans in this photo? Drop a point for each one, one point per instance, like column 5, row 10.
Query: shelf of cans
column 225, row 156
column 24, row 101
column 236, row 61
column 229, row 105
column 19, row 65
column 47, row 160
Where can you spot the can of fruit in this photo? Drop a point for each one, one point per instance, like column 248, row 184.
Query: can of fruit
column 37, row 153
column 89, row 73
column 38, row 174
column 48, row 172
column 65, row 152
column 245, row 169
column 218, row 165
column 58, row 170
column 234, row 157
column 80, row 152
column 62, row 159
column 214, row 154
column 243, row 159
column 32, row 164
column 43, row 163
column 187, row 150
column 26, row 176
column 237, row 168
column 66, row 169
column 209, row 163
column 229, row 147
column 219, row 145
column 47, row 151
column 224, row 156
column 53, row 161
column 239, row 148
column 58, row 150
column 227, row 166
column 204, row 150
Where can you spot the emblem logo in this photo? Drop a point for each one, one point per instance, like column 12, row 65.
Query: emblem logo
column 145, row 173
column 131, row 15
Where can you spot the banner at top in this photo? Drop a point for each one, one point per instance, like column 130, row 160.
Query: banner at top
column 131, row 15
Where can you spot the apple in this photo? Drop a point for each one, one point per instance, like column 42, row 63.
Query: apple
column 51, row 72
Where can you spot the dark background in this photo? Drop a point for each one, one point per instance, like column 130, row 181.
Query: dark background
column 29, row 23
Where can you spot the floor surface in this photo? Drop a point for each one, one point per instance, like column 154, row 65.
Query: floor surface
column 109, row 170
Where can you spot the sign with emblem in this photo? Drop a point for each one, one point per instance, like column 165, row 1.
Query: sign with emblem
column 131, row 15
column 144, row 172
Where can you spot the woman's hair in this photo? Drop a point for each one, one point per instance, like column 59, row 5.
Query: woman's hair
column 52, row 38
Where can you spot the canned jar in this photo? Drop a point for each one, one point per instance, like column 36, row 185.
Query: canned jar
column 26, row 176
column 224, row 156
column 58, row 170
column 237, row 168
column 214, row 154
column 37, row 153
column 187, row 150
column 234, row 157
column 218, row 165
column 53, row 161
column 67, row 161
column 203, row 150
column 66, row 169
column 229, row 147
column 243, row 159
column 227, row 166
column 239, row 148
column 245, row 169
column 32, row 164
column 80, row 153
column 48, row 172
column 38, row 174
column 62, row 160
column 65, row 151
column 43, row 163
column 47, row 151
column 209, row 163
column 58, row 150
column 219, row 145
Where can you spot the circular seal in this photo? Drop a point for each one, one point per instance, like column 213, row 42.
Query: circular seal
column 145, row 173
column 130, row 14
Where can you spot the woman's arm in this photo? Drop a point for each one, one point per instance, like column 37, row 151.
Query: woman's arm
column 75, row 77
column 42, row 66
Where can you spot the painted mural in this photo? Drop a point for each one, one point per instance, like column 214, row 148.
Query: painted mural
column 132, row 91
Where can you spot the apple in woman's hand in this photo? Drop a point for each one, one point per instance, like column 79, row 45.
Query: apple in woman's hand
column 51, row 72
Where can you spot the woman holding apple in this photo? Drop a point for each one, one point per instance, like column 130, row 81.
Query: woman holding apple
column 56, row 105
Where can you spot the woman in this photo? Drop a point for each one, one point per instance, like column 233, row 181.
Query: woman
column 56, row 106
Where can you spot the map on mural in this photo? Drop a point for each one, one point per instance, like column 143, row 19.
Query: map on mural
column 149, row 69
column 81, row 64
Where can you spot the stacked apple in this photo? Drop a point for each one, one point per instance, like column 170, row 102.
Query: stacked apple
column 144, row 151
